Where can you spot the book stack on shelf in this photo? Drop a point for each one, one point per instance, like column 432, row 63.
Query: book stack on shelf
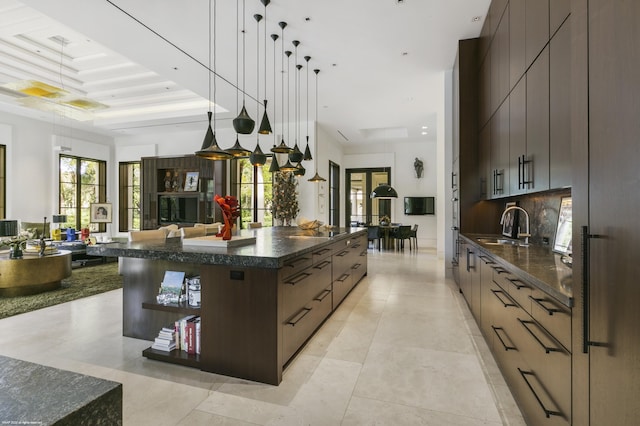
column 188, row 330
column 166, row 340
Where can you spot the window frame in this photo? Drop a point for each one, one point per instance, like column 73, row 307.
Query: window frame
column 101, row 191
column 126, row 192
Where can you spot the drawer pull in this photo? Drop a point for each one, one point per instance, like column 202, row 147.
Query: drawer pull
column 343, row 277
column 499, row 269
column 296, row 319
column 506, row 304
column 322, row 295
column 298, row 278
column 515, row 282
column 548, row 413
column 343, row 253
column 506, row 348
column 538, row 302
column 292, row 263
column 321, row 251
column 356, row 266
column 546, row 348
column 487, row 260
column 322, row 264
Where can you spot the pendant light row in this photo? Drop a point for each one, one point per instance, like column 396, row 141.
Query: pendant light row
column 244, row 124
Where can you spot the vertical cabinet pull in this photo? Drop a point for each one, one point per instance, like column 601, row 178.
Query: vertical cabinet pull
column 548, row 413
column 506, row 348
column 547, row 349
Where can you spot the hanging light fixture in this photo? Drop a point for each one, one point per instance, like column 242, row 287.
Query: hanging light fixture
column 210, row 148
column 243, row 123
column 307, row 151
column 282, row 148
column 296, row 155
column 288, row 167
column 274, row 167
column 384, row 191
column 265, row 125
column 257, row 157
column 316, row 177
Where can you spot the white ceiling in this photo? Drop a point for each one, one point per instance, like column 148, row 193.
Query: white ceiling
column 381, row 62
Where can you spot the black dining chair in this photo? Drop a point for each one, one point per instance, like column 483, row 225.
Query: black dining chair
column 414, row 236
column 373, row 234
column 403, row 233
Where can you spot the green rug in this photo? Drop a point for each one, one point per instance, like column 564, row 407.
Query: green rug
column 83, row 282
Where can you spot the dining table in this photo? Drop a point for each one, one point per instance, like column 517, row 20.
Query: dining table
column 387, row 235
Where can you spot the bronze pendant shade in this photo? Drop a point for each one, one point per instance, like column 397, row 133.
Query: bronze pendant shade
column 210, row 148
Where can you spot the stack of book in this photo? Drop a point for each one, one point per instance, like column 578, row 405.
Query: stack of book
column 188, row 329
column 166, row 340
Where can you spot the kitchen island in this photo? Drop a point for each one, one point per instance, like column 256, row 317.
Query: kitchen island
column 260, row 302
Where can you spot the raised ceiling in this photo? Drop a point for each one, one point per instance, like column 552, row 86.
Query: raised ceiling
column 382, row 62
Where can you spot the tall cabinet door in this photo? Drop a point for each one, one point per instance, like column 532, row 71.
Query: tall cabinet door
column 614, row 200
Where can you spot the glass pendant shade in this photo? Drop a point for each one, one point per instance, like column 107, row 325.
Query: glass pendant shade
column 238, row 151
column 257, row 157
column 296, row 155
column 210, row 148
column 274, row 165
column 243, row 123
column 384, row 191
column 265, row 125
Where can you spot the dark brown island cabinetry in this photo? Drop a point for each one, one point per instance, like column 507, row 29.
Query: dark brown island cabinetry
column 260, row 303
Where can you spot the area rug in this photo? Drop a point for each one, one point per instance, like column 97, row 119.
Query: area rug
column 83, row 282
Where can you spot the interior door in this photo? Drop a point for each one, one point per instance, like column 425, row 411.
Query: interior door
column 361, row 209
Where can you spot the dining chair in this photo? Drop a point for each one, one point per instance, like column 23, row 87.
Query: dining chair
column 151, row 234
column 254, row 225
column 192, row 232
column 403, row 233
column 373, row 234
column 414, row 236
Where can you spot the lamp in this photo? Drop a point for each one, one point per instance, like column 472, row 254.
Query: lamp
column 274, row 167
column 243, row 123
column 307, row 151
column 316, row 177
column 288, row 167
column 265, row 125
column 210, row 148
column 384, row 191
column 296, row 155
column 8, row 228
column 282, row 148
column 57, row 219
column 257, row 157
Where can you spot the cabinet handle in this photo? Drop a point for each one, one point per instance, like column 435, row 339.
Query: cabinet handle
column 499, row 269
column 343, row 253
column 342, row 277
column 538, row 302
column 298, row 278
column 510, row 304
column 321, row 251
column 519, row 172
column 585, row 237
column 526, row 179
column 453, row 180
column 356, row 266
column 487, row 260
column 322, row 264
column 322, row 295
column 499, row 174
column 292, row 263
column 296, row 319
column 546, row 348
column 506, row 348
column 547, row 412
column 514, row 281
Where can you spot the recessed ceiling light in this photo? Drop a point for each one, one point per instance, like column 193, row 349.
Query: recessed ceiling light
column 476, row 19
column 424, row 133
column 425, row 127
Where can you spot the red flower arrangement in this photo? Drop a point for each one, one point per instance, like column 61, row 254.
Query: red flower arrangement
column 230, row 212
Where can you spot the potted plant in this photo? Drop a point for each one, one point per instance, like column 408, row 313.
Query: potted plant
column 385, row 220
column 16, row 245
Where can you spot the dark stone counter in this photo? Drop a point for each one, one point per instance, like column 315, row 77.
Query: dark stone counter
column 535, row 264
column 272, row 248
column 35, row 394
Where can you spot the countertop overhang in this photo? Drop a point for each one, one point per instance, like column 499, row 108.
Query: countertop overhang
column 536, row 264
column 273, row 247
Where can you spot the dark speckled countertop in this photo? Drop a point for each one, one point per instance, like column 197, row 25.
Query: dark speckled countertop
column 535, row 264
column 272, row 248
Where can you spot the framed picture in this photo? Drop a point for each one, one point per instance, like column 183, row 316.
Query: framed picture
column 100, row 212
column 510, row 222
column 191, row 181
column 562, row 242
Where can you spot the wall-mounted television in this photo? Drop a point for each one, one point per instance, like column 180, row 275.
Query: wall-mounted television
column 419, row 205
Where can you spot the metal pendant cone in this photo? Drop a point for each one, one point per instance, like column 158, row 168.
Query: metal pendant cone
column 243, row 124
column 265, row 125
column 296, row 155
column 257, row 157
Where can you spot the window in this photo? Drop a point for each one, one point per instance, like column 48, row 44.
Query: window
column 254, row 188
column 129, row 196
column 82, row 182
column 360, row 207
column 3, row 181
column 334, row 194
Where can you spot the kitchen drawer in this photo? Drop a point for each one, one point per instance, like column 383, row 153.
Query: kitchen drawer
column 517, row 289
column 341, row 286
column 320, row 254
column 299, row 289
column 295, row 265
column 341, row 262
column 536, row 405
column 300, row 326
column 553, row 316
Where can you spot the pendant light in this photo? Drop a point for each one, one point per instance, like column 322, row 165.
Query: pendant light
column 257, row 157
column 274, row 167
column 296, row 155
column 316, row 177
column 210, row 148
column 265, row 125
column 243, row 123
column 299, row 156
column 288, row 167
column 384, row 191
column 307, row 151
column 282, row 148
column 237, row 150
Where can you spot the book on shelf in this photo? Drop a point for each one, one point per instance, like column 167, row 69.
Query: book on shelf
column 198, row 330
column 164, row 348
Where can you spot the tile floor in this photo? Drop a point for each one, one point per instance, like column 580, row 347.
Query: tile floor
column 402, row 349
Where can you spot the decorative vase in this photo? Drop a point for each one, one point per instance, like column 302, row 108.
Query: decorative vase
column 15, row 252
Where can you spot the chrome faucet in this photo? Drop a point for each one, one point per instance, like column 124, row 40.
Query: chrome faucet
column 527, row 234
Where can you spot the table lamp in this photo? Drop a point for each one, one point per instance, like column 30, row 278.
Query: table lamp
column 55, row 228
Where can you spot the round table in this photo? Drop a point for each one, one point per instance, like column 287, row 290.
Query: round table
column 33, row 274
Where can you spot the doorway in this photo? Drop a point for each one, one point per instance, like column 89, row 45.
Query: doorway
column 360, row 208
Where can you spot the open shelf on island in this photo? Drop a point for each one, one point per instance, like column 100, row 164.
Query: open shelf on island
column 175, row 356
column 178, row 308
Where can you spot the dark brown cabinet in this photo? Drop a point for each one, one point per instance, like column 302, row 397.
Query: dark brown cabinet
column 517, row 136
column 500, row 61
column 535, row 161
column 517, row 54
column 559, row 10
column 559, row 107
column 499, row 179
column 536, row 28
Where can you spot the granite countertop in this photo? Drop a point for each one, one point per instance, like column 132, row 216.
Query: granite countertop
column 535, row 264
column 272, row 248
